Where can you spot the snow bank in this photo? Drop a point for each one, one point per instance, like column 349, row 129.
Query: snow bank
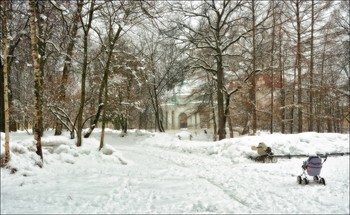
column 63, row 149
column 56, row 149
column 239, row 149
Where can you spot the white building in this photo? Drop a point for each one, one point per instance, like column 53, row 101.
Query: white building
column 180, row 112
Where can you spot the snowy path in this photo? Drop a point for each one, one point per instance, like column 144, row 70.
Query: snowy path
column 187, row 183
column 168, row 178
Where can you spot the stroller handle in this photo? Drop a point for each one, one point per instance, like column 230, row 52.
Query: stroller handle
column 326, row 156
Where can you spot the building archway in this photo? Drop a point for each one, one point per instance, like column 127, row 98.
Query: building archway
column 183, row 120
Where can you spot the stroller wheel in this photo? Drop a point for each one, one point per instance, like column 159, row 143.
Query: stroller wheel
column 322, row 181
column 316, row 178
column 305, row 181
column 299, row 179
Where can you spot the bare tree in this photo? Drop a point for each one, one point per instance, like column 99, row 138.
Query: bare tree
column 6, row 87
column 115, row 15
column 113, row 36
column 110, row 12
column 297, row 17
column 72, row 29
column 216, row 21
column 38, row 88
column 311, row 108
column 281, row 56
column 272, row 65
column 17, row 23
column 252, row 91
column 216, row 30
column 298, row 65
column 86, row 26
column 163, row 68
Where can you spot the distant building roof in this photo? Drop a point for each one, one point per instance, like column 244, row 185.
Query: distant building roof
column 179, row 94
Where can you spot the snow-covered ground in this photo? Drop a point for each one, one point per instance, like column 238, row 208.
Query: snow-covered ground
column 160, row 173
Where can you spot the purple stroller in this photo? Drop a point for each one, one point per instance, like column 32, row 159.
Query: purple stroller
column 312, row 167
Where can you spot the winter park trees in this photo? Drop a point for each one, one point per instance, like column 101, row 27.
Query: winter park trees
column 215, row 32
column 263, row 65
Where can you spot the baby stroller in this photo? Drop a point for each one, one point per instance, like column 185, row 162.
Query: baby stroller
column 312, row 167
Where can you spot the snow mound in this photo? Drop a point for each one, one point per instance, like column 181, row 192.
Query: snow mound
column 56, row 149
column 239, row 149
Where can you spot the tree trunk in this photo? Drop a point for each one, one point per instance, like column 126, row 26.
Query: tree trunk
column 104, row 114
column 82, row 95
column 38, row 122
column 320, row 99
column 158, row 119
column 157, row 111
column 253, row 81
column 311, row 107
column 348, row 109
column 2, row 99
column 281, row 77
column 112, row 42
column 5, row 102
column 227, row 112
column 67, row 62
column 220, row 99
column 97, row 117
column 300, row 108
column 230, row 125
column 272, row 66
column 104, row 81
column 214, row 117
column 291, row 117
column 212, row 107
column 86, row 29
column 227, row 107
